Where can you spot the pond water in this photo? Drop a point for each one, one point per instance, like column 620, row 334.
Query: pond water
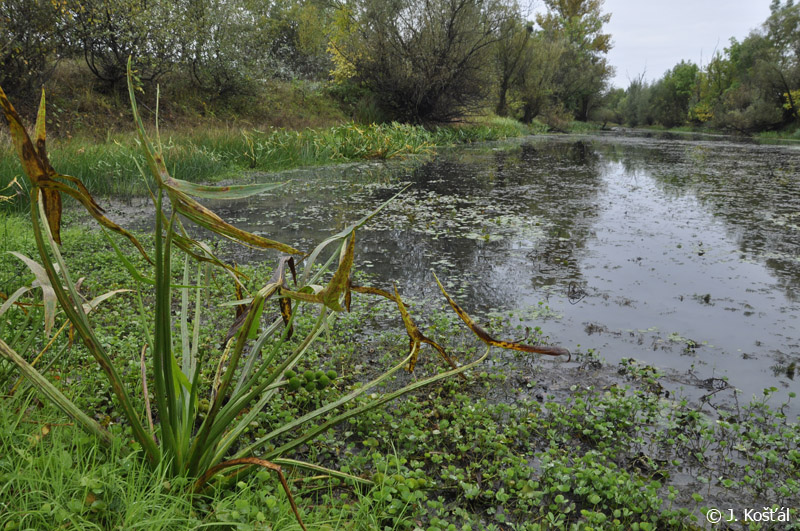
column 683, row 254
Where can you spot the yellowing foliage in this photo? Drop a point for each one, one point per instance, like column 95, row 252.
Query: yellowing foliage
column 790, row 101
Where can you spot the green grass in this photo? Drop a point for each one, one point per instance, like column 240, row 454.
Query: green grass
column 454, row 456
column 54, row 476
column 788, row 136
column 109, row 167
column 582, row 127
column 15, row 234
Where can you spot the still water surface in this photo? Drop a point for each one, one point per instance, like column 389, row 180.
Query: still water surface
column 684, row 254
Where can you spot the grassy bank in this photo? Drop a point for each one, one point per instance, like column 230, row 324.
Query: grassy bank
column 208, row 155
column 521, row 444
column 274, row 126
column 788, row 136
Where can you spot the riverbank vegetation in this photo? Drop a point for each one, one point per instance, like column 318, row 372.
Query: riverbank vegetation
column 749, row 87
column 143, row 376
column 244, row 85
column 111, row 166
column 248, row 65
column 282, row 64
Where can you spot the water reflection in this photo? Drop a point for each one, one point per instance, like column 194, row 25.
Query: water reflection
column 677, row 252
column 753, row 189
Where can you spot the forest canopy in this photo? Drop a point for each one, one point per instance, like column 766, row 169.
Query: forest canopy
column 415, row 61
column 418, row 61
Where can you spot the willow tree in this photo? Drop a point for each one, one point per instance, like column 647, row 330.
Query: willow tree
column 106, row 33
column 535, row 84
column 425, row 61
column 583, row 70
column 512, row 57
column 675, row 93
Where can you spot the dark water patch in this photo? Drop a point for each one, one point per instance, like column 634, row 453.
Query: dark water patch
column 681, row 253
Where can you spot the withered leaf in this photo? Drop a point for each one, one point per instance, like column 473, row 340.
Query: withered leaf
column 44, row 178
column 484, row 336
column 415, row 336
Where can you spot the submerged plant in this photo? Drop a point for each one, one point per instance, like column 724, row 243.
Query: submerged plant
column 193, row 435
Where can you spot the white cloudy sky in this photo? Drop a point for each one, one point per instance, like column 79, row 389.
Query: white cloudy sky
column 654, row 35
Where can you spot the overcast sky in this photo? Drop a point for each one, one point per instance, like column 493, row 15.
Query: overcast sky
column 655, row 35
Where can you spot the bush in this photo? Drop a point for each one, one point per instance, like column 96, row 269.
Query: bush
column 27, row 44
column 423, row 62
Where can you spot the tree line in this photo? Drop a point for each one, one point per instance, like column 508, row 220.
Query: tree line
column 750, row 86
column 221, row 45
column 417, row 61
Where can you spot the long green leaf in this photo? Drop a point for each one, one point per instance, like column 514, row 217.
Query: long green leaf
column 48, row 294
column 317, row 468
column 238, row 403
column 314, row 432
column 13, row 298
column 312, row 258
column 163, row 362
column 201, row 441
column 53, row 394
column 300, row 421
column 70, row 302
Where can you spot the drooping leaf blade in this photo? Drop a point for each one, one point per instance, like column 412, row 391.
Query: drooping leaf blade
column 52, row 199
column 237, row 191
column 247, row 461
column 181, row 201
column 484, row 336
column 415, row 336
column 95, row 302
column 94, row 210
column 34, row 160
column 46, row 180
column 191, row 209
column 13, row 298
column 338, row 284
column 31, row 163
column 53, row 394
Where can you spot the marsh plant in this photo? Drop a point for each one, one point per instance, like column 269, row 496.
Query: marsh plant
column 194, row 431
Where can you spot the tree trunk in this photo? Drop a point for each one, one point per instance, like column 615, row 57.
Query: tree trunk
column 502, row 103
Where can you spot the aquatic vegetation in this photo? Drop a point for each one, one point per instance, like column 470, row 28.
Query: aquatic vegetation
column 189, row 436
column 211, row 155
